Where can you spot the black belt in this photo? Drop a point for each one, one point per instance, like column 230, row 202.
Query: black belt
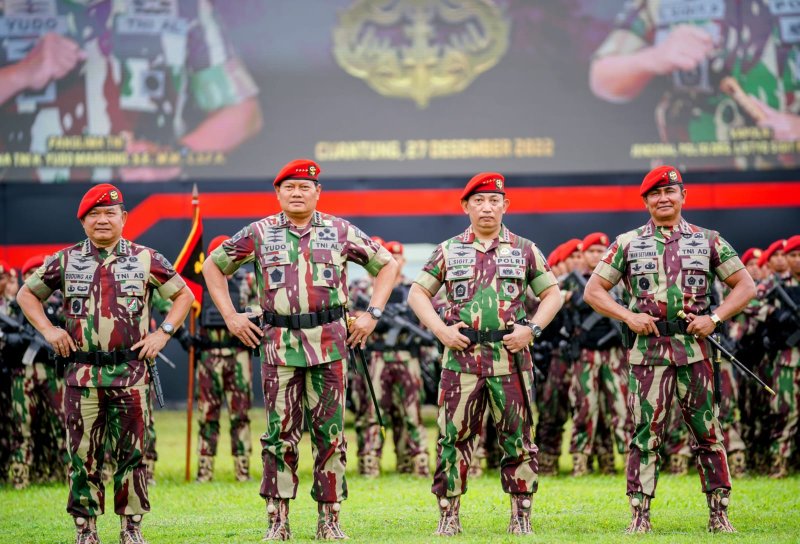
column 232, row 343
column 100, row 358
column 304, row 321
column 671, row 328
column 484, row 337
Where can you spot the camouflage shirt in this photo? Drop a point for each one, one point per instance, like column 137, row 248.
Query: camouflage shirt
column 298, row 272
column 666, row 274
column 761, row 51
column 144, row 60
column 106, row 303
column 485, row 287
column 780, row 327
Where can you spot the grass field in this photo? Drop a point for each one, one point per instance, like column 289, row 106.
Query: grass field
column 401, row 508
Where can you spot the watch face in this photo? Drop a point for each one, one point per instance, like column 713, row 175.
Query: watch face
column 167, row 328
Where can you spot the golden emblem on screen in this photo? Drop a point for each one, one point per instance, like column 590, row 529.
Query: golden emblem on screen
column 420, row 49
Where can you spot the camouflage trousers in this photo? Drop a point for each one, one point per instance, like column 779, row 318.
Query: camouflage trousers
column 224, row 374
column 398, row 386
column 121, row 414
column 552, row 402
column 652, row 389
column 315, row 395
column 599, row 391
column 679, row 441
column 785, row 407
column 757, row 419
column 38, row 405
column 463, row 399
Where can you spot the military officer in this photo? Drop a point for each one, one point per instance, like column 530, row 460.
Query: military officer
column 224, row 373
column 486, row 272
column 108, row 283
column 301, row 273
column 724, row 65
column 105, row 68
column 667, row 266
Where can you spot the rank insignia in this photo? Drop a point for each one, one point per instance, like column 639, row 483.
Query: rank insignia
column 460, row 290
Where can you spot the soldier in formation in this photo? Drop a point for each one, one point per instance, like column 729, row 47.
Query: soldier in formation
column 38, row 448
column 396, row 375
column 486, row 272
column 668, row 356
column 224, row 374
column 107, row 283
column 300, row 259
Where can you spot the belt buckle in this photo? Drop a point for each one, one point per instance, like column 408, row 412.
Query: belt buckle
column 306, row 321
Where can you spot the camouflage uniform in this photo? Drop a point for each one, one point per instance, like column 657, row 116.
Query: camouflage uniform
column 552, row 395
column 224, row 373
column 486, row 288
column 39, row 450
column 785, row 356
column 748, row 333
column 667, row 270
column 107, row 297
column 599, row 388
column 396, row 376
column 144, row 59
column 759, row 49
column 303, row 370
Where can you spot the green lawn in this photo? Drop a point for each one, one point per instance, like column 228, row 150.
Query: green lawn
column 401, row 508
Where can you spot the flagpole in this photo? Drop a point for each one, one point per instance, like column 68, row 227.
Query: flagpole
column 190, row 392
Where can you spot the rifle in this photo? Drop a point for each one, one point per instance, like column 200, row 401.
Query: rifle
column 393, row 316
column 736, row 362
column 791, row 305
column 17, row 333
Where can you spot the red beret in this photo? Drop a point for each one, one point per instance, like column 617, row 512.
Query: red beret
column 551, row 258
column 298, row 169
column 378, row 239
column 594, row 239
column 32, row 264
column 792, row 244
column 104, row 194
column 485, row 182
column 394, row 247
column 569, row 247
column 752, row 253
column 215, row 243
column 4, row 268
column 661, row 176
column 773, row 247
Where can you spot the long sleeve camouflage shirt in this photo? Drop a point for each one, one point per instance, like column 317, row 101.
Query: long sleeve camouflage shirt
column 485, row 287
column 666, row 274
column 107, row 297
column 298, row 272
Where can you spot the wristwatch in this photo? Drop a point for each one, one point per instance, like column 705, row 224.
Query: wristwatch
column 167, row 327
column 536, row 330
column 376, row 313
column 715, row 318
